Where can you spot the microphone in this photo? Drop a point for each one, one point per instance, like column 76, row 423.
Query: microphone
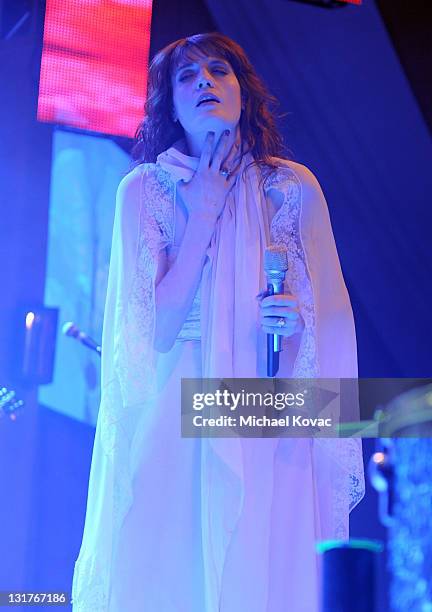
column 275, row 267
column 72, row 330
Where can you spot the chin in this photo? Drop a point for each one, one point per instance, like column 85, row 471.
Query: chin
column 214, row 124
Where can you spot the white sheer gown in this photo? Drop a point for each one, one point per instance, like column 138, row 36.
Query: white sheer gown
column 172, row 524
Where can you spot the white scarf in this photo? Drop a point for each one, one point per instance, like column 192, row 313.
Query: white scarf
column 232, row 342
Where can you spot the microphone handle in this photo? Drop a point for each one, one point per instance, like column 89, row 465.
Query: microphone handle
column 272, row 357
column 89, row 342
column 274, row 341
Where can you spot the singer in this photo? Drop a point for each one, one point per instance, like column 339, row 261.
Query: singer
column 223, row 524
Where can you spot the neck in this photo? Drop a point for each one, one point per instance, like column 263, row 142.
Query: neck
column 195, row 142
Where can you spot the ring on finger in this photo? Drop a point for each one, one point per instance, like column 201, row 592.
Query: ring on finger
column 281, row 322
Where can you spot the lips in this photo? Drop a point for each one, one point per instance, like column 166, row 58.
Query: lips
column 207, row 98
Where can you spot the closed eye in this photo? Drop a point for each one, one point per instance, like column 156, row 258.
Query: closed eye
column 185, row 76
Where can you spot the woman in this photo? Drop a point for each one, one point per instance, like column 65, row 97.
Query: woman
column 228, row 524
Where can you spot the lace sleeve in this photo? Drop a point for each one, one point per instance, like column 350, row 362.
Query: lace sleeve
column 285, row 230
column 147, row 227
column 143, row 225
column 302, row 224
column 327, row 347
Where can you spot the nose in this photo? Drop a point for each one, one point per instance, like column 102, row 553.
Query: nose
column 204, row 80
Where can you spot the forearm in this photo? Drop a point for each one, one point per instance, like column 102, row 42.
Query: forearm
column 175, row 292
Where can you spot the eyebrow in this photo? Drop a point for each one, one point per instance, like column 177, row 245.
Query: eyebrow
column 191, row 64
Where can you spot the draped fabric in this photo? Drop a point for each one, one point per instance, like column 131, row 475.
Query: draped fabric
column 232, row 345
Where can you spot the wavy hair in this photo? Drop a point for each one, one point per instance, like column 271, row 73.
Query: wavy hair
column 158, row 131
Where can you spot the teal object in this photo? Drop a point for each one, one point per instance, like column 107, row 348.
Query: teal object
column 348, row 575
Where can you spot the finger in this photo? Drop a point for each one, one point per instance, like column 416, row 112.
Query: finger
column 277, row 331
column 275, row 321
column 292, row 327
column 261, row 295
column 219, row 151
column 281, row 311
column 282, row 299
column 206, row 152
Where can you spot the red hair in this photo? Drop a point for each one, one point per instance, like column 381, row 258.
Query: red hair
column 158, row 131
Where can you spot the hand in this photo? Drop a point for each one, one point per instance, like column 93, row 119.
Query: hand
column 205, row 194
column 281, row 307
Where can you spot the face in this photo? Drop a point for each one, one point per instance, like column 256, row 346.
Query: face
column 201, row 77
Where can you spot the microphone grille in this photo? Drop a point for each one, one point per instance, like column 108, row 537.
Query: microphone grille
column 275, row 258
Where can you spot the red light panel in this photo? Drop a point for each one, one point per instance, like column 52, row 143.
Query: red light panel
column 94, row 64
